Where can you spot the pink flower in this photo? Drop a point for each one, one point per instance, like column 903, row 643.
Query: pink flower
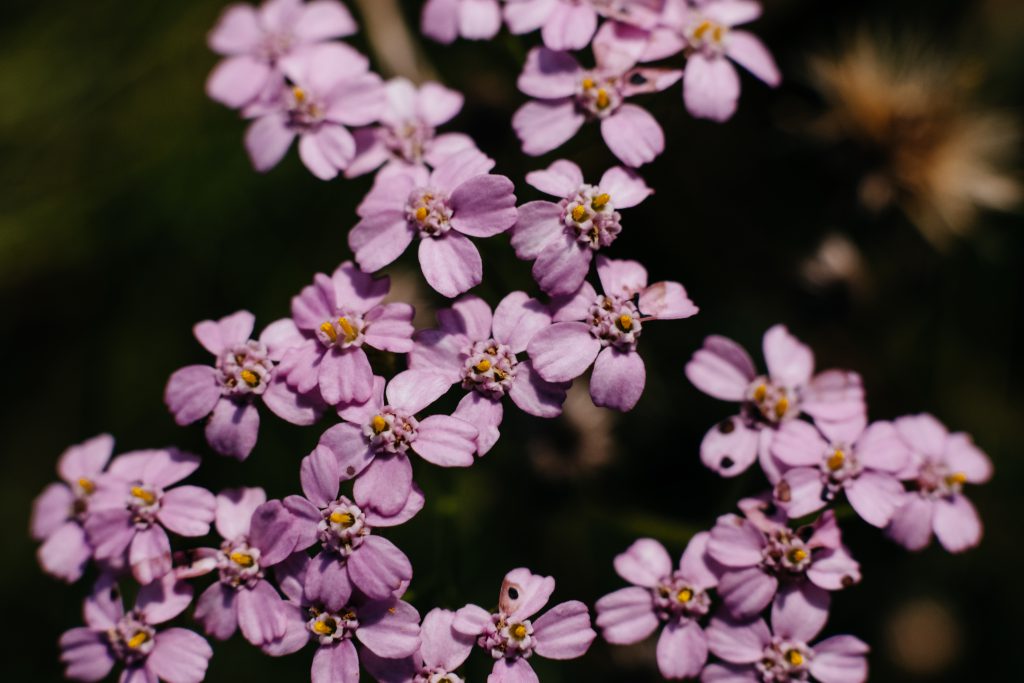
column 679, row 599
column 481, row 351
column 257, row 535
column 330, row 87
column 563, row 237
column 862, row 461
column 459, row 198
column 132, row 504
column 59, row 512
column 603, row 330
column 376, row 437
column 940, row 464
column 112, row 635
column 331, row 321
column 724, row 370
column 446, row 20
column 511, row 638
column 441, row 652
column 763, row 559
column 255, row 41
column 752, row 652
column 570, row 24
column 388, row 628
column 243, row 372
column 406, row 136
column 569, row 95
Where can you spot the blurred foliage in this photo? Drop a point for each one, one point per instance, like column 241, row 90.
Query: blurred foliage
column 128, row 211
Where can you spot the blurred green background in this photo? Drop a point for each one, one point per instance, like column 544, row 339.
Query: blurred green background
column 128, row 211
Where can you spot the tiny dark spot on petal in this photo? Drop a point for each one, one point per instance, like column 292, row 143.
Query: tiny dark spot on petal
column 726, row 462
column 726, row 426
column 783, row 493
column 513, row 593
column 847, row 581
column 637, row 79
column 350, row 470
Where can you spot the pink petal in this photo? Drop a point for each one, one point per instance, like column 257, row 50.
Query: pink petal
column 470, row 621
column 327, row 581
column 618, row 379
column 484, row 206
column 274, row 532
column 150, row 554
column 445, row 146
column 414, row 390
column 835, row 399
column 840, row 659
column 526, row 16
column 524, row 593
column 729, row 673
column 438, row 352
column 512, row 671
column 800, row 612
column 561, row 179
column 633, row 135
column 216, row 611
column 314, row 304
column 86, row 654
column 291, row 406
column 536, row 396
column 957, row 525
column 696, row 566
column 923, row 434
column 730, row 447
column 389, row 327
column 168, row 466
column 233, row 428
column 450, row 264
column 436, row 104
column 517, row 318
column 86, row 459
column 163, row 600
column 964, row 457
column 191, row 393
column 549, row 75
column 413, row 504
column 711, row 88
column 335, row 663
column 564, row 351
column 390, row 192
column 682, row 650
column 625, row 186
column 378, row 568
column 345, row 376
column 327, row 151
column 645, row 563
column 483, row 413
column 544, row 125
column 187, row 510
column 109, row 532
column 357, row 290
column 735, row 542
column 564, row 632
column 747, row 591
column 237, row 81
column 479, row 19
column 799, row 444
column 576, row 307
column 469, row 315
column 570, row 27
column 667, row 301
column 51, row 509
column 459, row 168
column 323, row 20
column 386, row 484
column 732, row 12
column 562, row 265
column 267, row 140
column 790, row 362
column 626, row 616
column 280, row 336
column 620, row 277
column 440, row 20
column 380, row 239
column 440, row 648
column 65, row 552
column 722, row 368
column 800, row 491
column 446, row 441
column 237, row 31
column 738, row 643
column 357, row 102
column 876, row 497
column 538, row 224
column 319, row 471
column 260, row 616
column 749, row 52
column 834, row 569
column 390, row 629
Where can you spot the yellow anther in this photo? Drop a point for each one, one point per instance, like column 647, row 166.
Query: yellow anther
column 392, row 610
column 579, row 212
column 323, row 628
column 350, row 332
column 86, row 485
column 760, row 392
column 147, row 497
column 483, row 366
column 499, row 375
column 250, row 377
column 378, row 424
column 348, row 616
column 836, row 460
column 717, row 34
column 602, row 99
column 625, row 322
column 600, row 201
column 241, row 559
column 138, row 640
column 703, row 28
column 588, row 83
column 956, row 478
column 345, row 519
column 797, row 555
column 794, row 658
column 684, row 595
column 299, row 94
column 518, row 631
column 328, row 329
column 781, row 406
column 421, row 214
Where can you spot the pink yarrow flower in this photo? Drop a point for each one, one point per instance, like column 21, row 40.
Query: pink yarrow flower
column 133, row 503
column 387, row 628
column 112, row 635
column 446, row 20
column 257, row 536
column 763, row 560
column 243, row 372
column 407, row 133
column 441, row 652
column 568, row 95
column 783, row 654
column 940, row 465
column 723, row 369
column 374, row 441
column 511, row 638
column 481, row 351
column 331, row 321
column 860, row 460
column 678, row 598
column 254, row 41
column 329, row 89
column 562, row 237
column 59, row 512
column 570, row 24
column 459, row 198
column 602, row 330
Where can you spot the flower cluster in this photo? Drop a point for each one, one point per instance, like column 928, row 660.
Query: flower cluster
column 319, row 567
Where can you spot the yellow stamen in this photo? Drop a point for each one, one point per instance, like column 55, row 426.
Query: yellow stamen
column 323, row 628
column 378, row 424
column 518, row 631
column 345, row 519
column 142, row 494
column 588, row 83
column 781, row 406
column 483, row 366
column 836, row 460
column 600, row 201
column 703, row 28
column 579, row 212
column 299, row 94
column 86, row 485
column 350, row 332
column 956, row 478
column 684, row 595
column 625, row 322
column 797, row 555
column 717, row 34
column 392, row 610
column 499, row 375
column 421, row 214
column 328, row 329
column 138, row 640
column 794, row 658
column 602, row 99
column 241, row 559
column 250, row 377
column 760, row 393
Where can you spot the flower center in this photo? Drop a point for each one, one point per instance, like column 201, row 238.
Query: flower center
column 490, row 368
column 304, row 110
column 428, row 212
column 407, row 140
column 707, row 36
column 276, row 45
column 772, row 403
column 328, row 627
column 131, row 639
column 437, row 676
column 238, row 563
column 244, row 369
column 785, row 553
column 590, row 217
column 391, row 431
column 936, row 480
column 784, row 661
column 615, row 321
column 342, row 527
column 144, row 503
column 599, row 96
column 344, row 332
column 677, row 598
column 508, row 639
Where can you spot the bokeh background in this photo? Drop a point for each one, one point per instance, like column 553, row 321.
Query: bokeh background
column 842, row 204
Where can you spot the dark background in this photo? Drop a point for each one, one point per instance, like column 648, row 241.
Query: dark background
column 128, row 211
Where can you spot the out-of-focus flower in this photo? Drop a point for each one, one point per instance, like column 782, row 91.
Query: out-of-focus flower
column 562, row 237
column 944, row 157
column 570, row 24
column 837, row 261
column 446, row 20
column 441, row 652
column 563, row 632
column 940, row 464
column 254, row 41
column 923, row 638
column 567, row 96
column 459, row 198
column 589, row 431
column 480, row 350
column 59, row 512
column 678, row 598
column 603, row 331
